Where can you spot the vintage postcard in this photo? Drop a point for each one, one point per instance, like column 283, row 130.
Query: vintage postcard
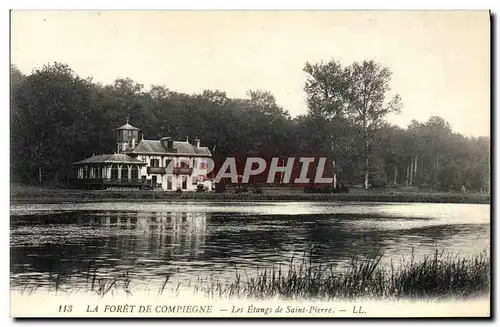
column 250, row 164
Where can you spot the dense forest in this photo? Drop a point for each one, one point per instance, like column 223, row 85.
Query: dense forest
column 58, row 118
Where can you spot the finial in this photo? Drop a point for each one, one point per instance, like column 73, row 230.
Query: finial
column 128, row 117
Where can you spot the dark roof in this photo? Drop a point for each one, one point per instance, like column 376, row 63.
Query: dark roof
column 111, row 158
column 127, row 126
column 180, row 148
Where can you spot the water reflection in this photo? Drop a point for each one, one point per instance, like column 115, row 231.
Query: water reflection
column 71, row 244
column 197, row 243
column 182, row 233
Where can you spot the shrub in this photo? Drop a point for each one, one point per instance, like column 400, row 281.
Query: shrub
column 220, row 188
column 258, row 189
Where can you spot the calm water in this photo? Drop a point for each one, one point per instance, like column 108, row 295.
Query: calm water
column 207, row 240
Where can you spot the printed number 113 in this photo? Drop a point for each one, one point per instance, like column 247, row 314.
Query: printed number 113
column 65, row 308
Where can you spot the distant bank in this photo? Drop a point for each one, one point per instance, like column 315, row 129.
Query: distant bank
column 30, row 194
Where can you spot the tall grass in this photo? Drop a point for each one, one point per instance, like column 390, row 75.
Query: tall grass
column 437, row 276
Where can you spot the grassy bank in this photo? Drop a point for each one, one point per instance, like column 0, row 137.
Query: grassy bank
column 24, row 194
column 436, row 277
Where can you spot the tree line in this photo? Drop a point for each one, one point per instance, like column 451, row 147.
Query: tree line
column 58, row 118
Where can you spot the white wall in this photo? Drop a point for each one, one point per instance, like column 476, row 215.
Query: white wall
column 176, row 179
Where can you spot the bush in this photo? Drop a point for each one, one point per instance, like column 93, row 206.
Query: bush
column 200, row 188
column 258, row 190
column 314, row 188
column 241, row 189
column 179, row 190
column 220, row 188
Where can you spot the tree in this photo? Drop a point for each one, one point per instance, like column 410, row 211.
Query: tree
column 51, row 126
column 366, row 102
column 58, row 118
column 356, row 92
column 325, row 88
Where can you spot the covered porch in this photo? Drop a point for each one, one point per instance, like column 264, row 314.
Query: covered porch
column 109, row 171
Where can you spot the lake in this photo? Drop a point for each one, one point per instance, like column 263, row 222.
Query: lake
column 210, row 240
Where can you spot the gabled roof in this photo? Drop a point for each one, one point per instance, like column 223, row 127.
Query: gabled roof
column 180, row 148
column 118, row 158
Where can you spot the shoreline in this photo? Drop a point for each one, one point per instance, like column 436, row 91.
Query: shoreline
column 20, row 195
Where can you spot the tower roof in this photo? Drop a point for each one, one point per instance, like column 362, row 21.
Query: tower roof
column 127, row 126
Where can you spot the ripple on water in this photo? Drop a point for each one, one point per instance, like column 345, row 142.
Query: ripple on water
column 199, row 240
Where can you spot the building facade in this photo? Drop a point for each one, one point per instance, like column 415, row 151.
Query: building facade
column 162, row 164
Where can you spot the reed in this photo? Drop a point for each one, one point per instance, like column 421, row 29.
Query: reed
column 437, row 276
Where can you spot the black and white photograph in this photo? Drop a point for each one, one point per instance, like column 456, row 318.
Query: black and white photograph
column 250, row 163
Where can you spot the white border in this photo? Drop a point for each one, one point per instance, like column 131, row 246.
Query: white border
column 185, row 4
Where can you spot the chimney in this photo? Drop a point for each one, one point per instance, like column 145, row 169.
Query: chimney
column 167, row 142
column 197, row 143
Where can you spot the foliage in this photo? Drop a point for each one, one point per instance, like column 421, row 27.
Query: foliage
column 58, row 118
column 357, row 94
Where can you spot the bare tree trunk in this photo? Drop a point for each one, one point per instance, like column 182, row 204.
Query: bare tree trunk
column 39, row 156
column 396, row 176
column 415, row 170
column 366, row 170
column 366, row 180
column 436, row 169
column 411, row 173
column 365, row 135
column 334, row 174
column 408, row 175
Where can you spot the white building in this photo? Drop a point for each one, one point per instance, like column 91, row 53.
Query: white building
column 161, row 164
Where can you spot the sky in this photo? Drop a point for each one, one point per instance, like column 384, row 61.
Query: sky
column 440, row 60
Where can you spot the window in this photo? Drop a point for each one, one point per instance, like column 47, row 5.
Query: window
column 155, row 163
column 135, row 172
column 168, row 162
column 124, row 172
column 114, row 171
